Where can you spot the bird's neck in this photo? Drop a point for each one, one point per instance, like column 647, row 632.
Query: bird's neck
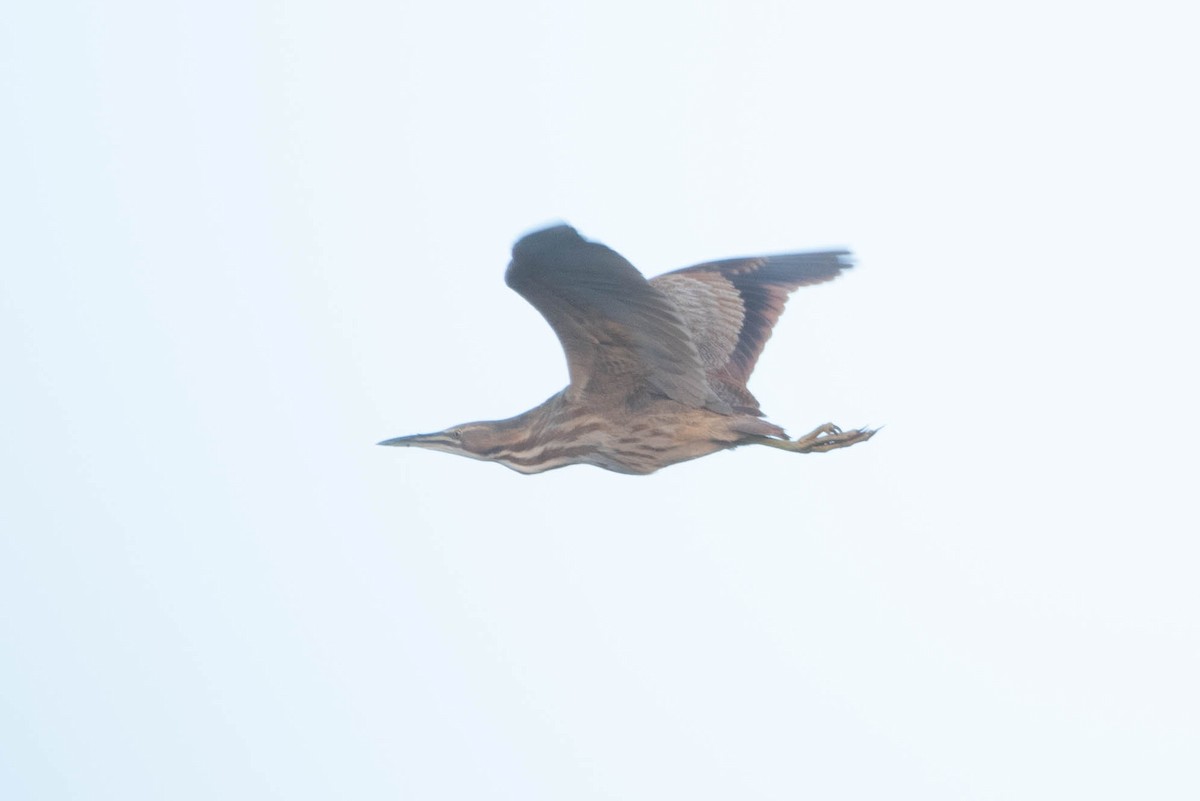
column 553, row 434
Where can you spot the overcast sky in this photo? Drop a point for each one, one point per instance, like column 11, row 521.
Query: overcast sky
column 243, row 242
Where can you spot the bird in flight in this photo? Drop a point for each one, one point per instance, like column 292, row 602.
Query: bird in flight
column 658, row 368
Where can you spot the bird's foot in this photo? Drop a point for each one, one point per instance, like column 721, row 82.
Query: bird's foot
column 823, row 438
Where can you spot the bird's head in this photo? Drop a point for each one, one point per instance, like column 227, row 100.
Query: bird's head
column 525, row 443
column 476, row 440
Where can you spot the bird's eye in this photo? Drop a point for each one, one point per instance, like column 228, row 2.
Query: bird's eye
column 456, row 433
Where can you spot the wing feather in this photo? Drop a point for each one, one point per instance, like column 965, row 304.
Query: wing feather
column 730, row 307
column 620, row 334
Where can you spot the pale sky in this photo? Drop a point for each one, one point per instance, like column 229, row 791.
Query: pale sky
column 243, row 242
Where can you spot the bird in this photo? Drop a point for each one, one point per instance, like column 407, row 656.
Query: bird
column 658, row 368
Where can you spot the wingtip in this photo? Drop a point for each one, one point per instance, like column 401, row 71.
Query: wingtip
column 556, row 233
column 536, row 248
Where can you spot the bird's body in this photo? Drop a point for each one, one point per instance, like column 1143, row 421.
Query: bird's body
column 658, row 368
column 638, row 439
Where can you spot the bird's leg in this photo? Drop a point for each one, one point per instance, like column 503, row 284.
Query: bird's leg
column 822, row 438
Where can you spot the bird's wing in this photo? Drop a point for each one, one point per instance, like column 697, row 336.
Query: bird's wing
column 730, row 307
column 620, row 334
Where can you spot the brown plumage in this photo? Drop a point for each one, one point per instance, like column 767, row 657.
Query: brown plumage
column 658, row 368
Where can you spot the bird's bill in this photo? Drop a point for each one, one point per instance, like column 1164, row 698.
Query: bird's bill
column 421, row 440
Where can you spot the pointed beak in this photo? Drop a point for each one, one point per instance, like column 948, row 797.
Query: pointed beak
column 417, row 440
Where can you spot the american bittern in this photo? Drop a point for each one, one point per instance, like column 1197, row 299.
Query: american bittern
column 658, row 368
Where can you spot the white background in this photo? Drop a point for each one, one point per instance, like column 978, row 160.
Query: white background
column 242, row 242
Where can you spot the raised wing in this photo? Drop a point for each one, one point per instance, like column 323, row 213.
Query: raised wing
column 619, row 333
column 730, row 307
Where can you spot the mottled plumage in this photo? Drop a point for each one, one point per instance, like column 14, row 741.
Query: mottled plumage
column 658, row 368
column 730, row 307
